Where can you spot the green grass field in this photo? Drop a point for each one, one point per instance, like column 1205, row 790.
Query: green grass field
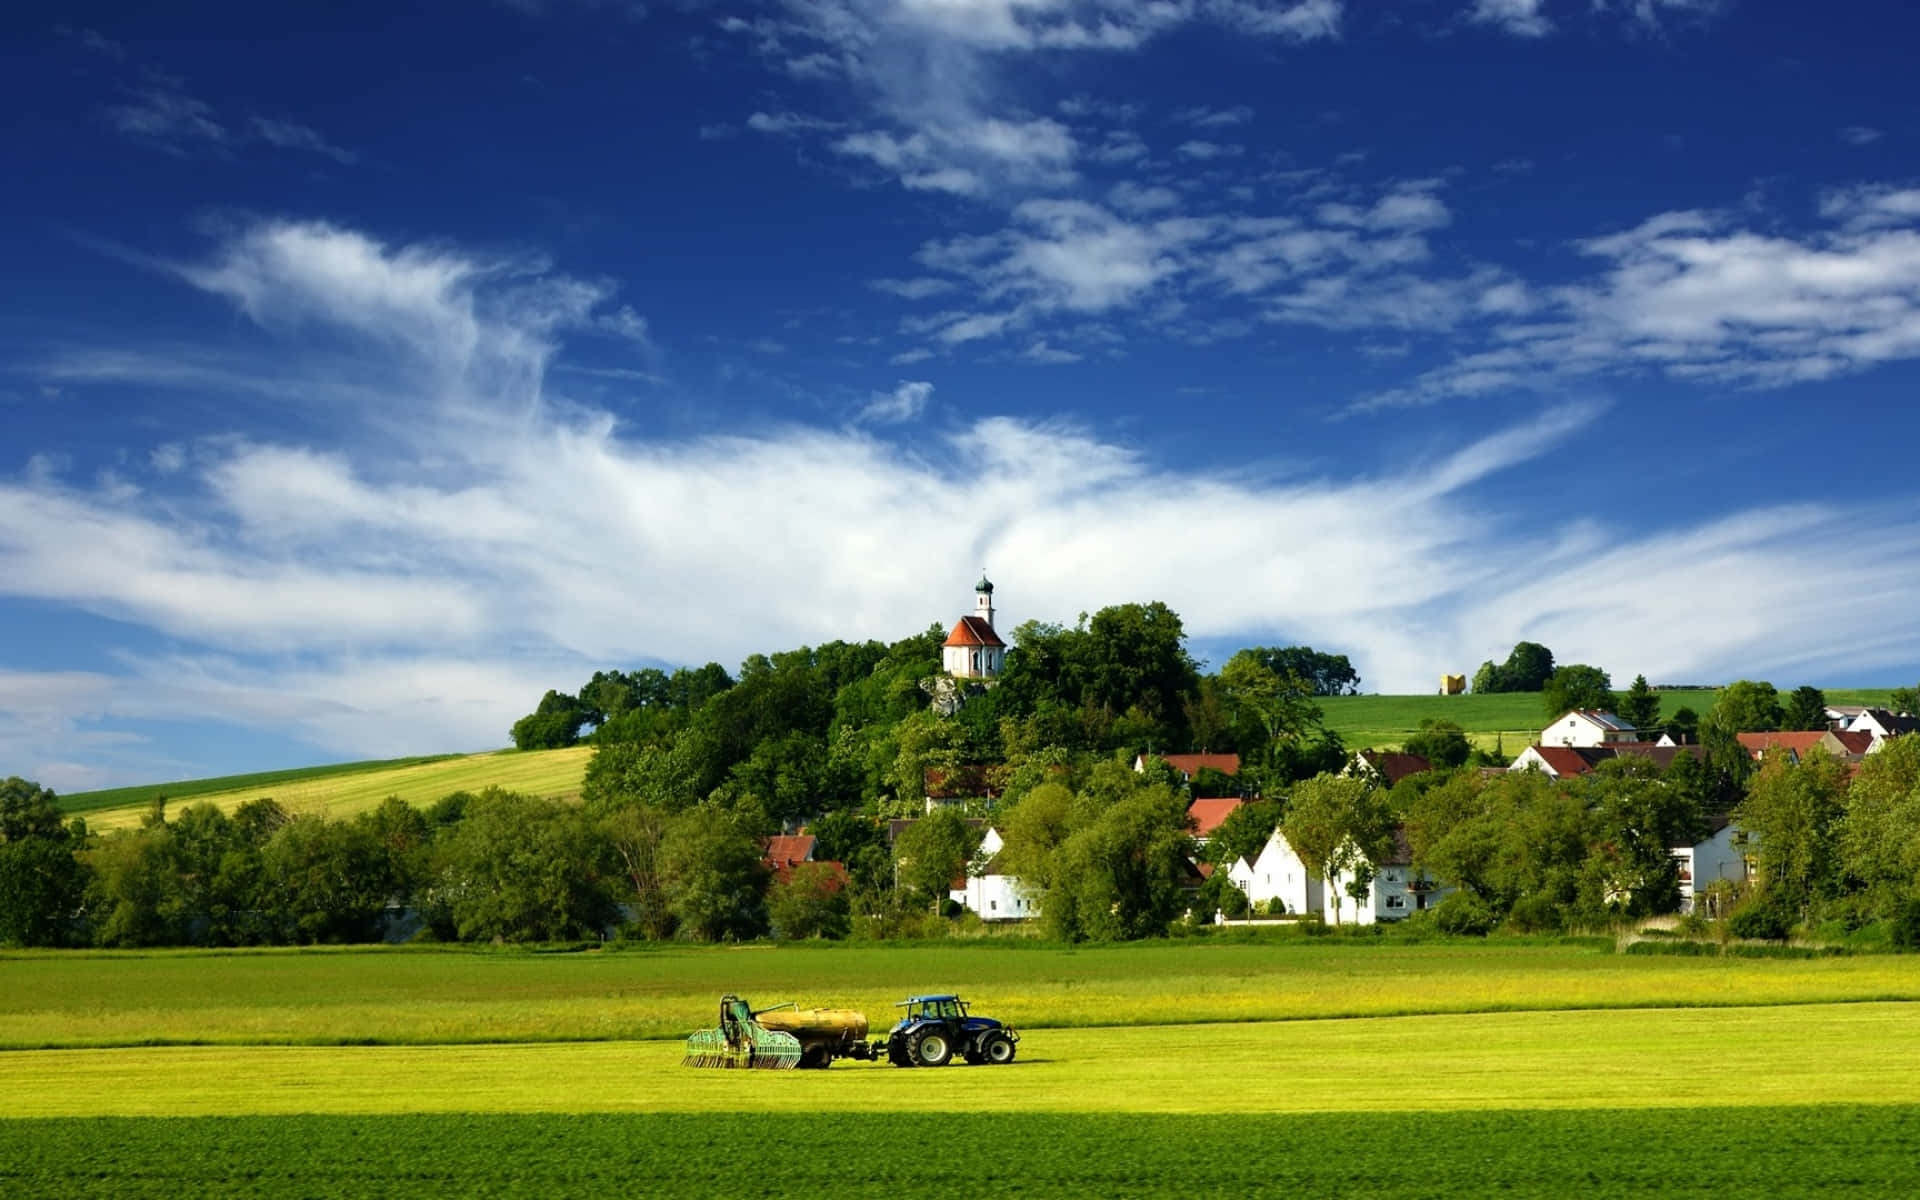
column 1517, row 717
column 1331, row 1066
column 1742, row 1151
column 408, row 997
column 187, row 789
column 338, row 792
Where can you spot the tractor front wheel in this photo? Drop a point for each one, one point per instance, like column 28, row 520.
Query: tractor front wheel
column 997, row 1048
column 930, row 1048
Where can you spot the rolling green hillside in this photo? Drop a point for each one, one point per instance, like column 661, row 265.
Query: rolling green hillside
column 339, row 792
column 1516, row 717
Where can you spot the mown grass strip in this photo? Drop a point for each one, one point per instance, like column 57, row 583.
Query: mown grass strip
column 1777, row 1152
column 439, row 996
column 1857, row 1053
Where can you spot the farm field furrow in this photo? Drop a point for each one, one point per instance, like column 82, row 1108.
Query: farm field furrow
column 1855, row 1053
column 416, row 996
column 1777, row 1152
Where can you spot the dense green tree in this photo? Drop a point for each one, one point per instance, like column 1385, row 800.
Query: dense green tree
column 1324, row 674
column 1905, row 700
column 326, row 881
column 1805, row 709
column 634, row 833
column 811, row 902
column 1339, row 826
column 1527, row 669
column 1639, row 814
column 932, row 853
column 1744, row 706
column 1639, row 706
column 1577, row 686
column 1243, row 834
column 1684, row 725
column 1441, row 742
column 715, row 876
column 1121, row 871
column 41, row 882
column 1880, row 832
column 1032, row 832
column 133, row 896
column 521, row 869
column 858, row 842
column 552, row 725
column 1791, row 815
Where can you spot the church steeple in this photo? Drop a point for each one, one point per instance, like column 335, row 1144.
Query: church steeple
column 983, row 599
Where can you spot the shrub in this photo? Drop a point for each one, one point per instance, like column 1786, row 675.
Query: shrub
column 1534, row 914
column 1463, row 915
column 1904, row 930
column 1762, row 918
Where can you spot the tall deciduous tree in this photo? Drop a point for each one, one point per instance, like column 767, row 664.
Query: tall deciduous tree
column 1791, row 813
column 1577, row 686
column 1339, row 826
column 41, row 882
column 1745, row 706
column 1880, row 834
column 552, row 725
column 933, row 852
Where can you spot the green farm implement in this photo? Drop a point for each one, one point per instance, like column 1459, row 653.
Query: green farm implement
column 934, row 1030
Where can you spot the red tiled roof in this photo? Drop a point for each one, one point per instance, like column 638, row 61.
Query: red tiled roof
column 786, row 849
column 833, row 874
column 1568, row 761
column 1205, row 869
column 1190, row 764
column 1796, row 743
column 1393, row 767
column 972, row 631
column 1856, row 743
column 1205, row 815
column 1565, row 760
column 966, row 782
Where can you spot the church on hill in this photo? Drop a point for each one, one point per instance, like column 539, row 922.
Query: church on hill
column 973, row 650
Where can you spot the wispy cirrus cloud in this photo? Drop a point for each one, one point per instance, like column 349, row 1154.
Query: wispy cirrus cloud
column 160, row 114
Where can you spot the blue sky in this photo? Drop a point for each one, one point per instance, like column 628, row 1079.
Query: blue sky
column 367, row 370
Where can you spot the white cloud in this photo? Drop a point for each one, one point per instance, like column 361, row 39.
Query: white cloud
column 1860, row 135
column 1205, row 117
column 291, row 135
column 912, row 289
column 905, row 402
column 1694, row 296
column 1203, row 151
column 339, row 592
column 785, row 123
column 1523, row 18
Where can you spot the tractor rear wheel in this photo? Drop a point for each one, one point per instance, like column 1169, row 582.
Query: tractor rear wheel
column 997, row 1048
column 930, row 1048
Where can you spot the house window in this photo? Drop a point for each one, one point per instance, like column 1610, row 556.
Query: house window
column 993, row 906
column 1396, row 901
column 1393, row 877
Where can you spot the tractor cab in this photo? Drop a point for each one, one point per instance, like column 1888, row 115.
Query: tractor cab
column 937, row 1027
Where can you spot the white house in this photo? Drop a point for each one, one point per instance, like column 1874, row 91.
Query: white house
column 973, row 650
column 988, row 890
column 1883, row 724
column 1714, row 858
column 1398, row 890
column 1278, row 872
column 1587, row 727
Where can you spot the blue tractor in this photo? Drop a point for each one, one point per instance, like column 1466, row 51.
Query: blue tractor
column 935, row 1028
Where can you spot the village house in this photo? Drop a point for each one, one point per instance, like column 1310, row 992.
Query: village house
column 1883, row 724
column 1713, row 858
column 1587, row 727
column 1276, row 872
column 1797, row 744
column 1206, row 814
column 988, row 890
column 1189, row 765
column 1385, row 766
column 1568, row 762
column 1396, row 892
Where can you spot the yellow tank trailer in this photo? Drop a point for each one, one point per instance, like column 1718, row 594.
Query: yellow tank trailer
column 824, row 1034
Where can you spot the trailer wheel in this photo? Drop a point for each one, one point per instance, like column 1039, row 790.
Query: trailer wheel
column 930, row 1048
column 997, row 1048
